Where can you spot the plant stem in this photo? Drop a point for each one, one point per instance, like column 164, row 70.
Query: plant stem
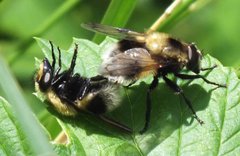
column 175, row 10
column 164, row 16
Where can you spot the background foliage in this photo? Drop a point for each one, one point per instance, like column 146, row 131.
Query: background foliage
column 213, row 27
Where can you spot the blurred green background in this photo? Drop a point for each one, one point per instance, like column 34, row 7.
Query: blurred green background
column 214, row 27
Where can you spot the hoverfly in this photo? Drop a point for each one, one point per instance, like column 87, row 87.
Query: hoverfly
column 69, row 93
column 138, row 55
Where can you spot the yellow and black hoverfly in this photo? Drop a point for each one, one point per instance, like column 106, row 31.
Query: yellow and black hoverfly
column 69, row 93
column 138, row 55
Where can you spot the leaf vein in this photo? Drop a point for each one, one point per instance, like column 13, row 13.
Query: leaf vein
column 224, row 114
column 231, row 136
column 132, row 120
column 237, row 146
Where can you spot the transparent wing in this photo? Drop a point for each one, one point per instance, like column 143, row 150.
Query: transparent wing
column 115, row 32
column 133, row 63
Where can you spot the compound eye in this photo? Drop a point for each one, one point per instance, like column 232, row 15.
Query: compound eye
column 194, row 59
column 45, row 75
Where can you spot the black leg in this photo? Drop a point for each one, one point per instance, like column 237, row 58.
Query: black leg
column 152, row 86
column 210, row 68
column 59, row 62
column 178, row 90
column 53, row 55
column 98, row 81
column 59, row 58
column 84, row 90
column 191, row 77
column 98, row 78
column 115, row 123
column 131, row 83
column 73, row 63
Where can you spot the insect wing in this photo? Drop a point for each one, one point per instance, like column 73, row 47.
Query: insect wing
column 115, row 32
column 132, row 63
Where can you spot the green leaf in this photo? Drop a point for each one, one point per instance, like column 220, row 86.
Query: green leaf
column 13, row 140
column 172, row 131
column 34, row 133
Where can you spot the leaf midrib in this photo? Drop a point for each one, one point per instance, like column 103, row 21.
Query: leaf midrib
column 133, row 136
column 224, row 114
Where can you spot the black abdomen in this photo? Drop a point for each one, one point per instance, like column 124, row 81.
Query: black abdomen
column 97, row 105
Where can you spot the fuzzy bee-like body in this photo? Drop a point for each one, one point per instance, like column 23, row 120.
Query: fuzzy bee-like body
column 70, row 93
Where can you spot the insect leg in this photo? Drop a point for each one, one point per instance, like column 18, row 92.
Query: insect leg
column 84, row 90
column 210, row 68
column 59, row 62
column 73, row 63
column 98, row 78
column 70, row 70
column 98, row 82
column 191, row 77
column 178, row 90
column 53, row 55
column 152, row 86
column 131, row 83
column 115, row 123
column 54, row 59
